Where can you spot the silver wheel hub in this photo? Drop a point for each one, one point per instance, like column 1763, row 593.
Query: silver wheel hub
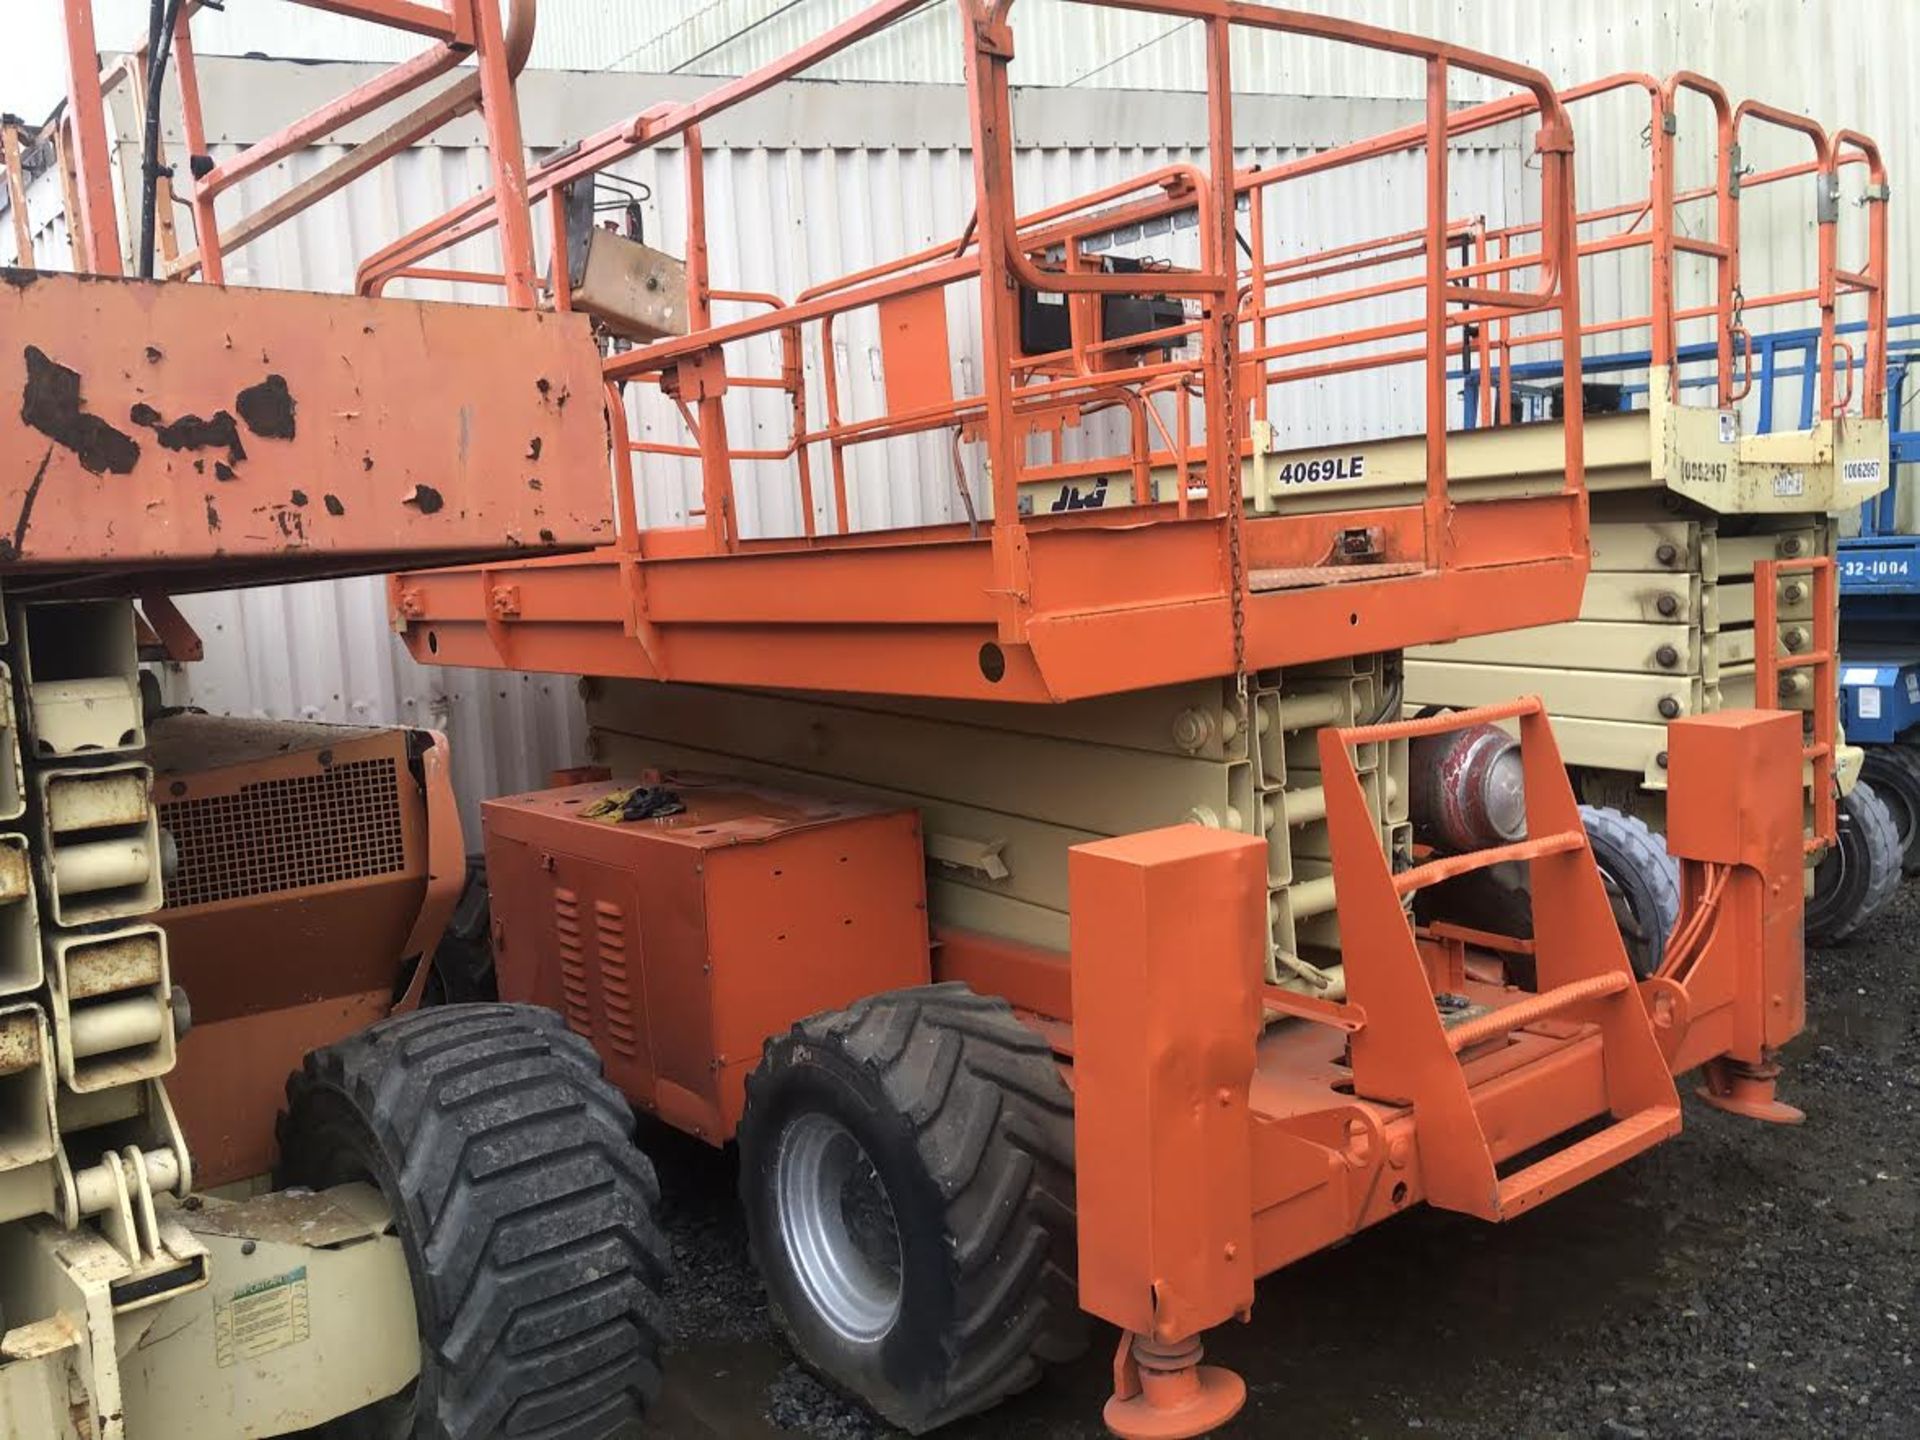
column 837, row 1223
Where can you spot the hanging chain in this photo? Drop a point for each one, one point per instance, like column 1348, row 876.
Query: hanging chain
column 1236, row 505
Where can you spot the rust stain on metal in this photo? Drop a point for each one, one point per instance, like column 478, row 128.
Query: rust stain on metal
column 51, row 403
column 14, row 882
column 127, row 962
column 18, row 278
column 268, row 408
column 213, row 515
column 19, row 1042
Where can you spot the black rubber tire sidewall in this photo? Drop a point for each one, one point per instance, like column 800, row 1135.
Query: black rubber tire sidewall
column 1625, row 849
column 1894, row 773
column 1865, row 849
column 911, row 1356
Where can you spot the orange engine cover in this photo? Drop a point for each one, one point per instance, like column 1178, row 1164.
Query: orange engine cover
column 678, row 945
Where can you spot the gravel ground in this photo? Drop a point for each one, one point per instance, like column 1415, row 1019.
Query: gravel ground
column 1740, row 1280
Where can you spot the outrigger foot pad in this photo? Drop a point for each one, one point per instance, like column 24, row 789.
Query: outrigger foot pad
column 1163, row 1392
column 1740, row 1088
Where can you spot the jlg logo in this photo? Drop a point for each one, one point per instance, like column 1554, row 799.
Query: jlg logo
column 1072, row 499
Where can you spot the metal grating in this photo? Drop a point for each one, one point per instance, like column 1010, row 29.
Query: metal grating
column 341, row 823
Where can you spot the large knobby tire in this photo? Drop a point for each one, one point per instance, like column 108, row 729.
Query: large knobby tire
column 906, row 1166
column 525, row 1211
column 1894, row 773
column 1859, row 872
column 1642, row 880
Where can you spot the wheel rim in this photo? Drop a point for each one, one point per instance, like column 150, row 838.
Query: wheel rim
column 837, row 1222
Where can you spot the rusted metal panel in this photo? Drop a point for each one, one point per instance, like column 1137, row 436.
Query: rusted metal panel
column 213, row 433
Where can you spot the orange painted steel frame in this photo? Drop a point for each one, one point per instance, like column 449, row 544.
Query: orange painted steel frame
column 1501, row 250
column 1033, row 610
column 461, row 30
column 1666, row 240
column 1212, row 1147
column 1054, row 606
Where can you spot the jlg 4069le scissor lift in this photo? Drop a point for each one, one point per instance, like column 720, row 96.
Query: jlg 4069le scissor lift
column 893, row 886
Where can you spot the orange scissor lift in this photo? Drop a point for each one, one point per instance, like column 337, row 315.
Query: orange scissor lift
column 1224, row 1123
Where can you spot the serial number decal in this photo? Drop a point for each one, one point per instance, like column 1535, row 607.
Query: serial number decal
column 1703, row 472
column 1875, row 569
column 1860, row 472
column 1331, row 467
column 1789, row 483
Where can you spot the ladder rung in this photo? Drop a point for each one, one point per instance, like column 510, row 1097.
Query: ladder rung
column 1802, row 662
column 1583, row 1159
column 1434, row 871
column 1534, row 1008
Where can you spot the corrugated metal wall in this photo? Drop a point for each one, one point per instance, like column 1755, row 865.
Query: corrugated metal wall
column 875, row 171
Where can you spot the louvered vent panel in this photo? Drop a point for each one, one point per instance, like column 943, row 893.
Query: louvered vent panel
column 573, row 962
column 616, row 988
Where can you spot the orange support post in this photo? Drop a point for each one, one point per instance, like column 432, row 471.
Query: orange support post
column 1732, row 989
column 98, row 224
column 1168, row 933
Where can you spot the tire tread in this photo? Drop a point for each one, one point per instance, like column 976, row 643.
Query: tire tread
column 493, row 1125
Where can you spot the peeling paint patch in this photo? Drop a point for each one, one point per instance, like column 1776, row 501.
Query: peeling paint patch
column 191, row 432
column 213, row 515
column 426, row 497
column 299, row 497
column 333, row 504
column 51, row 404
column 268, row 408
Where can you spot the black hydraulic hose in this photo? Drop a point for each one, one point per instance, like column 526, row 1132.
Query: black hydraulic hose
column 160, row 26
